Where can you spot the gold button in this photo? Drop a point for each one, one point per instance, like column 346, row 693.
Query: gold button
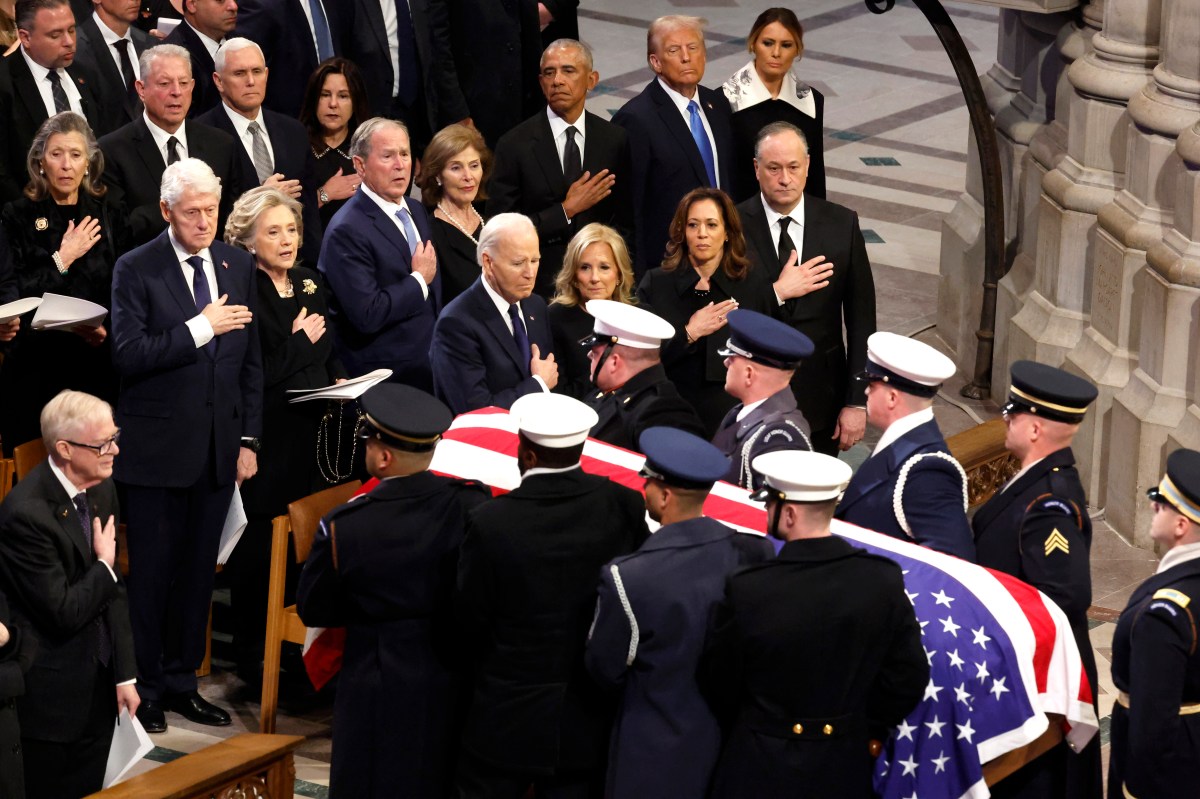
column 798, row 728
column 828, row 729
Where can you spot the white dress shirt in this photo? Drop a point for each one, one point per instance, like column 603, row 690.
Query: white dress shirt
column 681, row 103
column 391, row 27
column 161, row 138
column 390, row 208
column 199, row 326
column 110, row 40
column 902, row 426
column 558, row 127
column 40, row 79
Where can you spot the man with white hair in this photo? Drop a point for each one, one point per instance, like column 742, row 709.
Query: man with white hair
column 493, row 343
column 58, row 553
column 187, row 352
column 275, row 148
column 136, row 155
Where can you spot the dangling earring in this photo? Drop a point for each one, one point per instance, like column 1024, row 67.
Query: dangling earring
column 439, row 181
column 87, row 172
column 252, row 251
column 41, row 171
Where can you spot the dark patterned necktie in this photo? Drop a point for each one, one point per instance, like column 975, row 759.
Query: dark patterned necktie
column 519, row 333
column 57, row 92
column 101, row 631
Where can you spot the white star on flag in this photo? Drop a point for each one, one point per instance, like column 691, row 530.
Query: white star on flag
column 961, row 694
column 932, row 691
column 998, row 687
column 942, row 598
column 948, row 626
column 935, row 727
column 910, row 767
column 981, row 672
column 929, row 655
column 955, row 660
column 912, row 595
column 905, row 730
column 980, row 638
column 940, row 762
column 965, row 731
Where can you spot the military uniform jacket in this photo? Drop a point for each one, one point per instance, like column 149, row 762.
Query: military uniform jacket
column 777, row 424
column 651, row 619
column 527, row 591
column 810, row 656
column 383, row 566
column 933, row 496
column 648, row 399
column 1156, row 662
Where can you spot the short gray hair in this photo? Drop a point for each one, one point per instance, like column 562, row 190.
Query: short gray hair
column 152, row 54
column 232, row 46
column 495, row 229
column 774, row 129
column 360, row 143
column 188, row 174
column 571, row 44
column 671, row 22
column 65, row 416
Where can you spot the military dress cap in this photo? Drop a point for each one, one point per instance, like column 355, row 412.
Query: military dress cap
column 759, row 338
column 1048, row 391
column 906, row 364
column 403, row 417
column 681, row 459
column 1180, row 486
column 621, row 323
column 553, row 420
column 800, row 476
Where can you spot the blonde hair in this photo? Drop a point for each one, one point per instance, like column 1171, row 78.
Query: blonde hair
column 672, row 22
column 565, row 290
column 243, row 219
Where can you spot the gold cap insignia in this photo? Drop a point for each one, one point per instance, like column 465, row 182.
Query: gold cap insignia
column 1057, row 540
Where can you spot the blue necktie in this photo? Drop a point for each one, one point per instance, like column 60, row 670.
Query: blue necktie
column 706, row 151
column 522, row 338
column 409, row 68
column 321, row 29
column 410, row 230
column 201, row 293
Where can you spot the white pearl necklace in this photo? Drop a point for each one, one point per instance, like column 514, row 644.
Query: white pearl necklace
column 442, row 207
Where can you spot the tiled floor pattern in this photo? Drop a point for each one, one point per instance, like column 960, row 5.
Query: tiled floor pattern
column 895, row 151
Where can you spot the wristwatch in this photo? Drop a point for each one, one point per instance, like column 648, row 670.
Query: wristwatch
column 252, row 444
column 323, row 196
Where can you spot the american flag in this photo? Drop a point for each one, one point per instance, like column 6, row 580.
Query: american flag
column 1001, row 654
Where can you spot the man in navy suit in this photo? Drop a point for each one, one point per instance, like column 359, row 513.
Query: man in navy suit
column 191, row 412
column 295, row 36
column 109, row 47
column 679, row 134
column 205, row 25
column 380, row 264
column 911, row 487
column 493, row 344
column 275, row 147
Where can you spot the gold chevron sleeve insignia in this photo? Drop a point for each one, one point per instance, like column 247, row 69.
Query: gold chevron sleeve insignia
column 1057, row 540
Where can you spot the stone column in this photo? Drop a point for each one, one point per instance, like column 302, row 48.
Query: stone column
column 1154, row 403
column 1136, row 220
column 1052, row 318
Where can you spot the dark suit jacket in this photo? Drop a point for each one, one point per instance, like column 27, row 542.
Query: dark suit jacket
column 177, row 402
column 666, row 162
column 204, row 91
column 293, row 159
column 94, row 54
column 365, row 40
column 527, row 589
column 59, row 589
column 648, row 399
column 932, row 498
column 824, row 383
column 281, row 29
column 23, row 112
column 133, row 169
column 527, row 177
column 381, row 318
column 474, row 356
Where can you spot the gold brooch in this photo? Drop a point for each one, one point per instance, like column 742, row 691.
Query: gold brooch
column 309, row 287
column 41, row 223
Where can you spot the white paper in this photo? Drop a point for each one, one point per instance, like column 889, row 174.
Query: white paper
column 235, row 525
column 11, row 310
column 130, row 744
column 58, row 311
column 166, row 24
column 351, row 389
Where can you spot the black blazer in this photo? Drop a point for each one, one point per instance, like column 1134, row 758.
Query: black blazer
column 824, row 384
column 527, row 177
column 133, row 169
column 204, row 90
column 474, row 357
column 293, row 159
column 59, row 589
column 93, row 53
column 456, row 262
column 22, row 112
column 365, row 40
column 281, row 29
column 666, row 162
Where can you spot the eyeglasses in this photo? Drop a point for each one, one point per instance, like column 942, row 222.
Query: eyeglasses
column 103, row 448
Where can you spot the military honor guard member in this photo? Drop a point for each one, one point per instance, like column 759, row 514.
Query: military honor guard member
column 807, row 702
column 1037, row 528
column 1156, row 663
column 383, row 566
column 633, row 390
column 911, row 487
column 651, row 621
column 761, row 358
column 527, row 593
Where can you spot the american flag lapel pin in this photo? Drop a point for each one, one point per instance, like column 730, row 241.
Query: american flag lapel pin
column 224, row 264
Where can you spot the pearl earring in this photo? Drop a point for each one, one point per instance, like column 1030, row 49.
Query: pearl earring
column 439, row 181
column 252, row 251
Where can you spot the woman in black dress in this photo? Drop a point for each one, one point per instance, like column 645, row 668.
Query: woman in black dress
column 596, row 266
column 455, row 167
column 767, row 90
column 703, row 277
column 65, row 238
column 335, row 102
column 300, row 442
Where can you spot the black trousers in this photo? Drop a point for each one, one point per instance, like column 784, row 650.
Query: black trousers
column 70, row 770
column 476, row 779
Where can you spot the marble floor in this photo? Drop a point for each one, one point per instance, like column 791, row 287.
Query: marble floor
column 896, row 151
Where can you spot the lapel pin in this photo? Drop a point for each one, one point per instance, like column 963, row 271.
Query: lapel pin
column 224, row 264
column 64, row 513
column 41, row 223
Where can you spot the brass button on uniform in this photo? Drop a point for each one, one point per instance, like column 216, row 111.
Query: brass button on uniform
column 798, row 729
column 828, row 729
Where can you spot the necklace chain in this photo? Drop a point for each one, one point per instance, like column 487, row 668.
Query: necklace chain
column 445, row 210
